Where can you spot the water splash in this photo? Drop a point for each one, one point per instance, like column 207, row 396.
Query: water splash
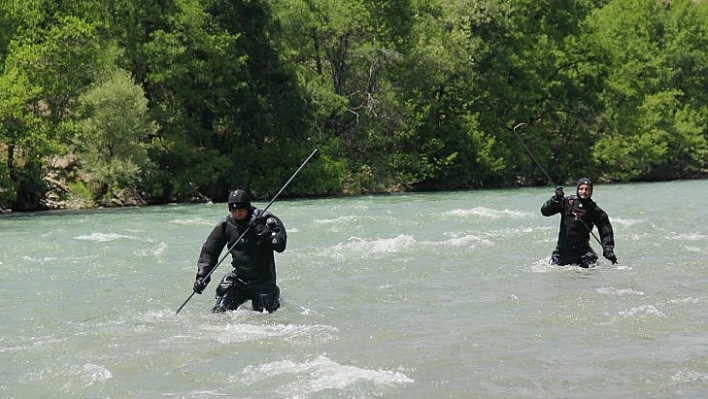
column 490, row 213
column 320, row 374
column 73, row 376
column 642, row 312
column 102, row 237
column 294, row 334
column 363, row 247
column 619, row 291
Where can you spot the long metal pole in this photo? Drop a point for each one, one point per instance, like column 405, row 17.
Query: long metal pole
column 531, row 153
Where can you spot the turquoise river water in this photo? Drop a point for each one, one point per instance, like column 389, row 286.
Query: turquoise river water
column 435, row 295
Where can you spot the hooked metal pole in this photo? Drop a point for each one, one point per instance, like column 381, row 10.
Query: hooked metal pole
column 531, row 153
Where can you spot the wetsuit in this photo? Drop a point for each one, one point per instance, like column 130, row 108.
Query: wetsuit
column 253, row 276
column 578, row 217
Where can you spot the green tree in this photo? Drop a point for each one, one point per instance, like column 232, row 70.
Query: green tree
column 113, row 134
column 267, row 122
column 535, row 65
column 227, row 105
column 656, row 111
column 189, row 64
column 440, row 145
column 68, row 57
column 687, row 32
column 22, row 139
column 61, row 54
column 347, row 55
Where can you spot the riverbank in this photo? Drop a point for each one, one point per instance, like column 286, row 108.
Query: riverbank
column 60, row 196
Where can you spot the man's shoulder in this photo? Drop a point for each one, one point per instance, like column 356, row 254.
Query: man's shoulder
column 594, row 207
column 257, row 213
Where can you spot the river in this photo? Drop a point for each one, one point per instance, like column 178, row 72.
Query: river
column 418, row 295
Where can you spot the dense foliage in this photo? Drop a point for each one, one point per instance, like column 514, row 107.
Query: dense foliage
column 184, row 99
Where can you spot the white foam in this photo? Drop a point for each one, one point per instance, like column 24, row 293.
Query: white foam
column 463, row 241
column 361, row 247
column 689, row 376
column 489, row 213
column 337, row 220
column 544, row 266
column 687, row 236
column 642, row 312
column 196, row 221
column 39, row 260
column 74, row 375
column 102, row 237
column 158, row 250
column 620, row 291
column 626, row 222
column 292, row 333
column 318, row 375
column 688, row 300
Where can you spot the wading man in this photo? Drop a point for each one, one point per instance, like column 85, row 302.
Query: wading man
column 579, row 214
column 253, row 261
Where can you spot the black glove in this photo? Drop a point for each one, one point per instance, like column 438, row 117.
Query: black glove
column 559, row 195
column 200, row 284
column 263, row 231
column 609, row 254
column 261, row 228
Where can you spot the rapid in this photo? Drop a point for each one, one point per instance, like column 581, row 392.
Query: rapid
column 413, row 295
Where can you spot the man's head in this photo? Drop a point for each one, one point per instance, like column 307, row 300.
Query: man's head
column 239, row 204
column 584, row 188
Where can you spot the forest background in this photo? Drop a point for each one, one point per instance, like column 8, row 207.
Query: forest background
column 117, row 102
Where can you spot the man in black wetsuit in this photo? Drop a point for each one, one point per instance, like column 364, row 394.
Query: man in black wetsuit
column 579, row 214
column 253, row 274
